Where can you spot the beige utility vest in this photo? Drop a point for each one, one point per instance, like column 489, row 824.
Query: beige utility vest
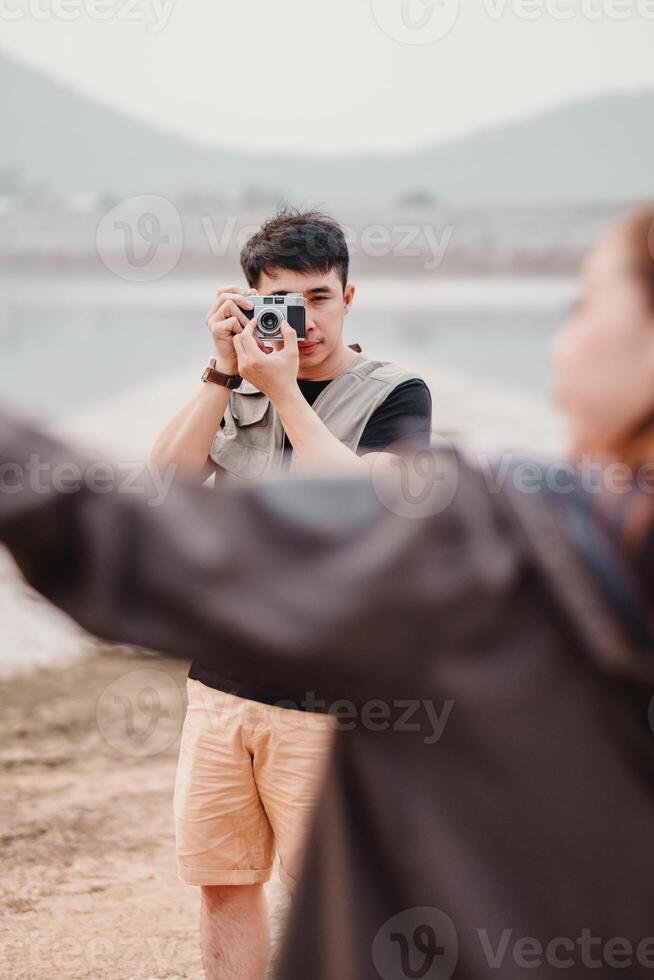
column 251, row 443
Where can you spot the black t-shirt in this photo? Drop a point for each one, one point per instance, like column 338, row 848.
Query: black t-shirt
column 406, row 414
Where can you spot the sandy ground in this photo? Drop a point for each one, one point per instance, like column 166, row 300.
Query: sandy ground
column 88, row 886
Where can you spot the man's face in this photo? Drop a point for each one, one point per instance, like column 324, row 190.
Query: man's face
column 326, row 307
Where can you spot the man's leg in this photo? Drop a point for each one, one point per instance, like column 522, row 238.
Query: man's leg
column 224, row 839
column 290, row 760
column 234, row 932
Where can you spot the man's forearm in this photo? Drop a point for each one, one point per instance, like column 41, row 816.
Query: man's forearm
column 316, row 448
column 187, row 439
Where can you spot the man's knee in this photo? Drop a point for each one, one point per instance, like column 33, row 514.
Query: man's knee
column 220, row 896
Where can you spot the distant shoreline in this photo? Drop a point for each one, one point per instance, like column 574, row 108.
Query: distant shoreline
column 456, row 264
column 434, row 291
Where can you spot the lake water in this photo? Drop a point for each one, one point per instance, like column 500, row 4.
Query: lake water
column 68, row 344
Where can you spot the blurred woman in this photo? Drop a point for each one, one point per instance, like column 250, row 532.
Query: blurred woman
column 603, row 362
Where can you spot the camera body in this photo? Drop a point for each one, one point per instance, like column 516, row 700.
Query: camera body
column 270, row 311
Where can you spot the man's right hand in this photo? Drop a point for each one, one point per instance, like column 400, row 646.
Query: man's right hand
column 226, row 318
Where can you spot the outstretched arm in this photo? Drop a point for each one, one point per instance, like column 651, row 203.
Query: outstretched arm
column 301, row 585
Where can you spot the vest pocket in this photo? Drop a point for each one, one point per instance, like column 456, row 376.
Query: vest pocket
column 238, row 458
column 243, row 447
column 249, row 410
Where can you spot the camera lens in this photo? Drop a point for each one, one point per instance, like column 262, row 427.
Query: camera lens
column 269, row 322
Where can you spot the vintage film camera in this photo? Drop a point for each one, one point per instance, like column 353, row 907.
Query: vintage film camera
column 270, row 311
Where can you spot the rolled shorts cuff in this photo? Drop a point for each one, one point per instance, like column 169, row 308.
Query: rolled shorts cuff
column 200, row 876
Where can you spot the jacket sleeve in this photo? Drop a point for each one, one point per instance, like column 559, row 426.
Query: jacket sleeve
column 303, row 585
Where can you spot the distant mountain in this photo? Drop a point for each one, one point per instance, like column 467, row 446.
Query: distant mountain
column 597, row 151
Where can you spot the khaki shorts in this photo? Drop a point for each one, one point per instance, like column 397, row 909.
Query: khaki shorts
column 247, row 781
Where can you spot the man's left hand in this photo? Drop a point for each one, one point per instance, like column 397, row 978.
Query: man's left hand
column 275, row 374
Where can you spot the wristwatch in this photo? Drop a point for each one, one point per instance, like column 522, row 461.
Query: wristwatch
column 216, row 377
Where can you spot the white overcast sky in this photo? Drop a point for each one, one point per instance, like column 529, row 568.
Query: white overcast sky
column 323, row 77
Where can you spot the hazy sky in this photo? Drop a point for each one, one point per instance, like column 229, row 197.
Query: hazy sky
column 345, row 75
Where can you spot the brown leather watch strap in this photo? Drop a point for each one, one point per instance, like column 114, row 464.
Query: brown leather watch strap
column 230, row 381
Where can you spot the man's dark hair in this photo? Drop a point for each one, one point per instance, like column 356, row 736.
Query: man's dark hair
column 304, row 241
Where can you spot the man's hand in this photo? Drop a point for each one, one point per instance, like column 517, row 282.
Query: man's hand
column 225, row 320
column 275, row 374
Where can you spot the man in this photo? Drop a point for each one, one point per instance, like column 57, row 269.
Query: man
column 316, row 403
column 251, row 759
